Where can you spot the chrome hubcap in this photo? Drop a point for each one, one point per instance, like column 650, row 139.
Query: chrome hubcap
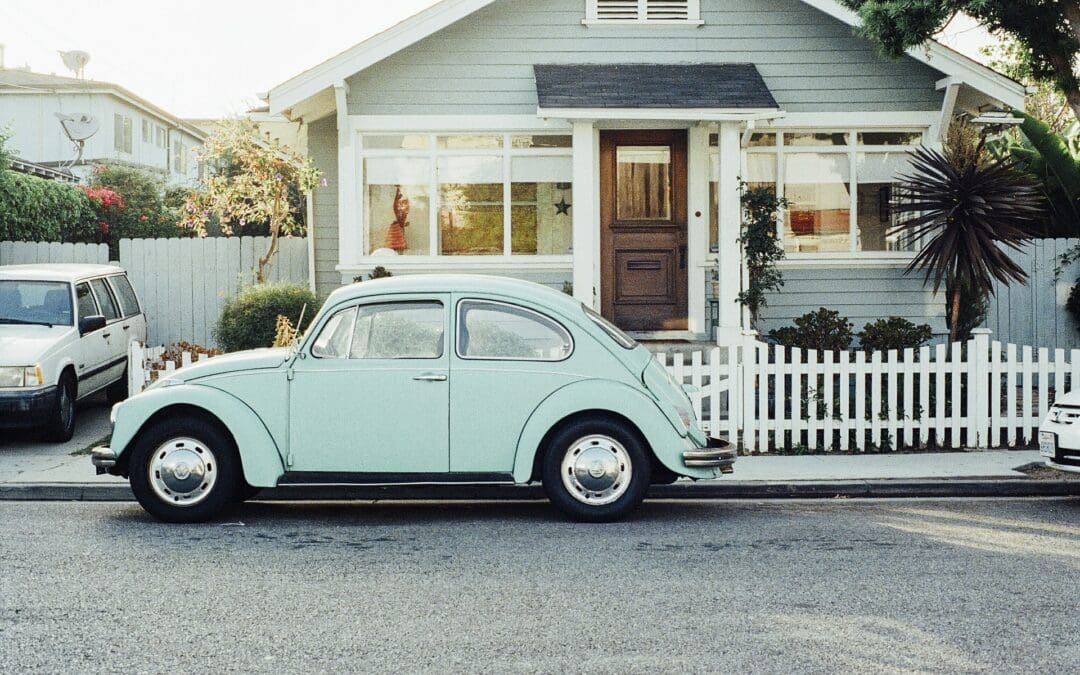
column 596, row 470
column 183, row 471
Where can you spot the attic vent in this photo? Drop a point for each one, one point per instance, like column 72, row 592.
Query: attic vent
column 643, row 11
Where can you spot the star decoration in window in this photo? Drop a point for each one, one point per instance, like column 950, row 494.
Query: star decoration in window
column 562, row 207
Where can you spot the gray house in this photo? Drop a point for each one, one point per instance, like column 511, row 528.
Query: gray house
column 600, row 144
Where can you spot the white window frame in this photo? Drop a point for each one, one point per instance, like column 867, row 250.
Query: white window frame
column 122, row 142
column 432, row 153
column 594, row 18
column 781, row 150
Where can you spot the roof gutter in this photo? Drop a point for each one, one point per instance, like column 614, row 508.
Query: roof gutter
column 663, row 114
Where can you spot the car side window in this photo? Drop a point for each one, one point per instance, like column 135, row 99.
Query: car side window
column 125, row 294
column 105, row 299
column 333, row 340
column 494, row 330
column 85, row 301
column 399, row 330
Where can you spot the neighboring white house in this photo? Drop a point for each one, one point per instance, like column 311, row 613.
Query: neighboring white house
column 132, row 130
column 602, row 143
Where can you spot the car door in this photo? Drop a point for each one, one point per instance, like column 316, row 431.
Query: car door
column 134, row 323
column 93, row 347
column 116, row 346
column 369, row 399
column 507, row 360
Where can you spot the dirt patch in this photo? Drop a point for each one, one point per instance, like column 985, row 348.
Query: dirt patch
column 1040, row 471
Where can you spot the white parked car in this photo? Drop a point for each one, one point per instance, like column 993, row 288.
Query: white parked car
column 64, row 335
column 1059, row 434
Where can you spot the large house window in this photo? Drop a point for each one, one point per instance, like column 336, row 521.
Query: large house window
column 838, row 185
column 121, row 133
column 468, row 195
column 643, row 11
column 180, row 158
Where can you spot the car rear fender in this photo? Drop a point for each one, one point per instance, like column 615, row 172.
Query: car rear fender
column 260, row 456
column 604, row 396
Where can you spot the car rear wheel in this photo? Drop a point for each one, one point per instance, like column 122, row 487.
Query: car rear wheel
column 596, row 470
column 185, row 470
column 61, row 425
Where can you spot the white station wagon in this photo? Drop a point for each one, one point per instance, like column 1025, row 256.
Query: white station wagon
column 64, row 335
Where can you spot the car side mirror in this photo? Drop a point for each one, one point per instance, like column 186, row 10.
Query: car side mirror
column 89, row 324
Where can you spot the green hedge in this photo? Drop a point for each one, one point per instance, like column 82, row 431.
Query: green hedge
column 249, row 320
column 35, row 209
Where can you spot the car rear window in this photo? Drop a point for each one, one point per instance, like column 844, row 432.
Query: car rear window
column 105, row 299
column 129, row 304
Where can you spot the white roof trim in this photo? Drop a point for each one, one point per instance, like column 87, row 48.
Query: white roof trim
column 410, row 31
column 662, row 114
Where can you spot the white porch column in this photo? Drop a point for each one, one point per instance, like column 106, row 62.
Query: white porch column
column 349, row 234
column 729, row 326
column 586, row 214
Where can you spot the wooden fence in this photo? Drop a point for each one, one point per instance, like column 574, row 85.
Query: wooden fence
column 36, row 252
column 1034, row 313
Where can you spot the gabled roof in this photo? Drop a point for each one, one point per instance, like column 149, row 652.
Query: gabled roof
column 447, row 12
column 20, row 81
column 716, row 86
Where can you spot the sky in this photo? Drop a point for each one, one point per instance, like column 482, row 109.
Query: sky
column 208, row 58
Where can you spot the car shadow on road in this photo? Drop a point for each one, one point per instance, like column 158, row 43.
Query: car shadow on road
column 95, row 405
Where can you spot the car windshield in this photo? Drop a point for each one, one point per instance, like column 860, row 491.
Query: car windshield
column 613, row 331
column 45, row 303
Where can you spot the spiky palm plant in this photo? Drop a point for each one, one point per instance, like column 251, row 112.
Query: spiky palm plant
column 967, row 216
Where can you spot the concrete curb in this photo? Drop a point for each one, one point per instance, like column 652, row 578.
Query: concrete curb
column 897, row 488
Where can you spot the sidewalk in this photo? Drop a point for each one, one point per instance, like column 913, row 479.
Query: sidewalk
column 31, row 470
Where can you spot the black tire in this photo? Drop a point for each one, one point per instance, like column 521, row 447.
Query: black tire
column 61, row 424
column 118, row 391
column 624, row 446
column 223, row 491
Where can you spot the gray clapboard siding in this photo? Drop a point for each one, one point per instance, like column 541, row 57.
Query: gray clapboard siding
column 322, row 139
column 36, row 252
column 861, row 294
column 483, row 63
column 183, row 283
column 1034, row 313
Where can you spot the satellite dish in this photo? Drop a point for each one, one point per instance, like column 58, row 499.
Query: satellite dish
column 76, row 61
column 78, row 127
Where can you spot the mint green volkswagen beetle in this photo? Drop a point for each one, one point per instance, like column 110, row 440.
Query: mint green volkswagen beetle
column 419, row 380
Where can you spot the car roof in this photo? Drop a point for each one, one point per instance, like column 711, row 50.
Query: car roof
column 56, row 271
column 526, row 291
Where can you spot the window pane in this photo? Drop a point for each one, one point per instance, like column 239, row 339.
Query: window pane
column 890, row 138
column 398, row 204
column 471, row 205
column 404, row 330
column 470, row 142
column 492, row 331
column 817, row 188
column 85, row 301
column 396, row 142
column 762, row 141
column 542, row 196
column 643, row 183
column 542, row 141
column 333, row 341
column 877, row 172
column 760, row 170
column 105, row 299
column 129, row 304
column 40, row 301
column 819, row 138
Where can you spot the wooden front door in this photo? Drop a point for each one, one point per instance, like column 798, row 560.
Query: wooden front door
column 643, row 229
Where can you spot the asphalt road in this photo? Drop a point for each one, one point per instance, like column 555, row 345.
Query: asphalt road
column 855, row 586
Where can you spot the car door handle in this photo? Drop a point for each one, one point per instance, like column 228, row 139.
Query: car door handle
column 105, row 335
column 430, row 377
column 127, row 327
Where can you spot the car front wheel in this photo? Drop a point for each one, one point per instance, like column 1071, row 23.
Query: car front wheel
column 596, row 470
column 61, row 425
column 185, row 470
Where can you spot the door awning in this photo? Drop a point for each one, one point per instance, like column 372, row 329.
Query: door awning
column 692, row 92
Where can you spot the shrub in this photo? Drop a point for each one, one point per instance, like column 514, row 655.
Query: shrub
column 824, row 330
column 143, row 213
column 249, row 320
column 35, row 209
column 1073, row 304
column 894, row 333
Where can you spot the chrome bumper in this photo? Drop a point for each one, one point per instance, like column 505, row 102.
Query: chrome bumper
column 104, row 459
column 718, row 454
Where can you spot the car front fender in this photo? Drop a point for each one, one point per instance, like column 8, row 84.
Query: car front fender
column 260, row 456
column 610, row 397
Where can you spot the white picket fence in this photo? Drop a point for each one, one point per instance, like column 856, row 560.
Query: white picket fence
column 148, row 364
column 979, row 394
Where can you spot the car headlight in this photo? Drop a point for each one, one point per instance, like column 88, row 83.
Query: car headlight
column 20, row 376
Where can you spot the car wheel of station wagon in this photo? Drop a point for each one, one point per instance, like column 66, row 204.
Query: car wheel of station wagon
column 185, row 471
column 596, row 470
column 61, row 425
